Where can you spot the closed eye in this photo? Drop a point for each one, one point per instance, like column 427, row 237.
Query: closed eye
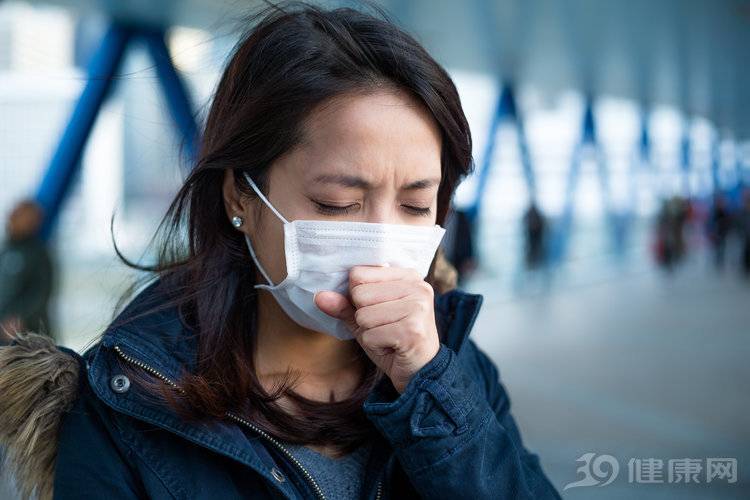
column 326, row 209
column 422, row 211
column 333, row 209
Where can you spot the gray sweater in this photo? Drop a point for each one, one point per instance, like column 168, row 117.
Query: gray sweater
column 339, row 478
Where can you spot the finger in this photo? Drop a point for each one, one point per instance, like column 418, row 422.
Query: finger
column 366, row 294
column 384, row 313
column 336, row 305
column 369, row 274
column 382, row 340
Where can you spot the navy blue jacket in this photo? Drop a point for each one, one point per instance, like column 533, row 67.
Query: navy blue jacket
column 450, row 433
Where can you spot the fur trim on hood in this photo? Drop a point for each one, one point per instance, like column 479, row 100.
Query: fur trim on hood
column 38, row 385
column 446, row 276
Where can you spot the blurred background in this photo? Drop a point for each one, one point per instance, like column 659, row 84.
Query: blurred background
column 607, row 224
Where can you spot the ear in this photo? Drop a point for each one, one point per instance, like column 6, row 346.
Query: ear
column 234, row 202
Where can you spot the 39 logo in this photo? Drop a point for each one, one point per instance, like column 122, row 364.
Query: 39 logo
column 598, row 470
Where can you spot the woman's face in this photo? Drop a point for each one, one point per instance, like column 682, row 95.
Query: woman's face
column 367, row 158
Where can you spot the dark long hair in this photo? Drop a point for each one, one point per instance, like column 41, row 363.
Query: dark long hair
column 293, row 58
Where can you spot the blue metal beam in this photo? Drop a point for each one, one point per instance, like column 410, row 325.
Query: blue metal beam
column 104, row 64
column 501, row 111
column 175, row 91
column 505, row 109
column 65, row 161
column 685, row 158
column 644, row 140
column 716, row 186
column 738, row 165
column 523, row 148
column 562, row 230
column 641, row 160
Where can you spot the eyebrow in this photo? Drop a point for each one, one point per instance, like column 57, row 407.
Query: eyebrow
column 352, row 181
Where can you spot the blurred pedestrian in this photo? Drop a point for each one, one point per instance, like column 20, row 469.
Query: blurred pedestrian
column 743, row 222
column 459, row 244
column 26, row 274
column 535, row 229
column 719, row 226
column 670, row 232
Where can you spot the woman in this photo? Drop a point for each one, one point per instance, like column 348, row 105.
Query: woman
column 252, row 366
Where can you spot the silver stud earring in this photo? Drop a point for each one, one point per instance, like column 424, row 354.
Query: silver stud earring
column 237, row 221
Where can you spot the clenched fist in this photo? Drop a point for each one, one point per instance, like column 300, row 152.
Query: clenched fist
column 392, row 316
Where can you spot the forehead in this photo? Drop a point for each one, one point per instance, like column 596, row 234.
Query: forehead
column 374, row 135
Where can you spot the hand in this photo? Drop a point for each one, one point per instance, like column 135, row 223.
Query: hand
column 392, row 315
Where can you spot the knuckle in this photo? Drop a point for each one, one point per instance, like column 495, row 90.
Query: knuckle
column 355, row 276
column 396, row 344
column 362, row 319
column 357, row 295
column 427, row 288
column 413, row 326
column 368, row 338
column 364, row 338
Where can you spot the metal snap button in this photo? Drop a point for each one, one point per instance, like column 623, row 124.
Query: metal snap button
column 120, row 383
column 276, row 473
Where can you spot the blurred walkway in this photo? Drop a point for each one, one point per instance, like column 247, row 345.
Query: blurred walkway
column 636, row 365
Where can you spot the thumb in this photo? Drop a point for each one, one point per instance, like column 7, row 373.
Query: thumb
column 336, row 305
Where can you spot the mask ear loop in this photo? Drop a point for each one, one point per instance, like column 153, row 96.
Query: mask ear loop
column 265, row 200
column 247, row 238
column 257, row 263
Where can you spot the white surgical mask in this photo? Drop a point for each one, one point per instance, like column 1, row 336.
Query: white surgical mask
column 320, row 253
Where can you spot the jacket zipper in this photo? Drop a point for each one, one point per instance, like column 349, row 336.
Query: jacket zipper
column 238, row 419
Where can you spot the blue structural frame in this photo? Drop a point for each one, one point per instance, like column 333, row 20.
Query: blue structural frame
column 102, row 73
column 740, row 170
column 716, row 186
column 685, row 158
column 617, row 224
column 644, row 140
column 643, row 159
column 505, row 109
column 174, row 90
column 732, row 193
